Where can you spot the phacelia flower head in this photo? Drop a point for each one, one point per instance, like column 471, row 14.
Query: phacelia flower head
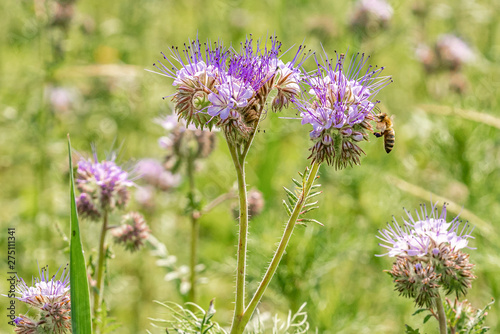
column 340, row 109
column 132, row 232
column 428, row 255
column 103, row 187
column 183, row 141
column 52, row 298
column 230, row 87
column 453, row 52
column 195, row 71
column 423, row 235
column 371, row 15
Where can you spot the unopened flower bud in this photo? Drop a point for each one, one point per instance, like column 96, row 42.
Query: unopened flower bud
column 346, row 132
column 357, row 136
column 327, row 140
column 255, row 202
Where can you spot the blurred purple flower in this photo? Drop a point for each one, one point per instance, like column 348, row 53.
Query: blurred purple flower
column 453, row 52
column 104, row 184
column 153, row 172
column 372, row 14
column 132, row 232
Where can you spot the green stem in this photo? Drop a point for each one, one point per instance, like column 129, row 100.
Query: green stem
column 441, row 316
column 194, row 229
column 239, row 165
column 220, row 199
column 99, row 287
column 243, row 321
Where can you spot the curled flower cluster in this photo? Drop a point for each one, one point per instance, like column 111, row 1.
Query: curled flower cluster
column 428, row 256
column 340, row 109
column 229, row 88
column 183, row 141
column 103, row 187
column 132, row 232
column 51, row 297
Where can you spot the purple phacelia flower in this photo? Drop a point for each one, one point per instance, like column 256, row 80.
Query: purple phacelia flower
column 132, row 232
column 425, row 234
column 52, row 298
column 428, row 256
column 103, row 186
column 44, row 289
column 340, row 109
column 228, row 87
column 195, row 71
column 230, row 95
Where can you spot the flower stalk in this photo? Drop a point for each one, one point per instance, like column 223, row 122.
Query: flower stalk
column 239, row 165
column 242, row 321
column 99, row 287
column 441, row 316
column 194, row 228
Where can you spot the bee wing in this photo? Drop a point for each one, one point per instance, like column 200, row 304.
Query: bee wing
column 380, row 126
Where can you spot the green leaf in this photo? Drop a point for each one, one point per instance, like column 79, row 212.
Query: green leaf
column 427, row 317
column 291, row 195
column 311, row 195
column 287, row 208
column 420, row 310
column 81, row 319
column 309, row 210
column 309, row 220
column 410, row 330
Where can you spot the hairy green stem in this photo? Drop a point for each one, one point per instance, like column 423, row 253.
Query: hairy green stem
column 239, row 165
column 441, row 316
column 194, row 230
column 99, row 286
column 243, row 321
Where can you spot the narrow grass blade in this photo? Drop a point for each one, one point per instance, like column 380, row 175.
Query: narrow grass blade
column 81, row 320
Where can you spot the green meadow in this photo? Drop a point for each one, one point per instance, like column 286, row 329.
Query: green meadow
column 447, row 149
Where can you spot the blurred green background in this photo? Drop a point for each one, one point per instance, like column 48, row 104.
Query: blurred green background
column 448, row 145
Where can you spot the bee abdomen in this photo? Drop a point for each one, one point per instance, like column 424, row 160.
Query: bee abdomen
column 389, row 139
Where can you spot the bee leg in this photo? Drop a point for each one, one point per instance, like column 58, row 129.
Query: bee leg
column 378, row 134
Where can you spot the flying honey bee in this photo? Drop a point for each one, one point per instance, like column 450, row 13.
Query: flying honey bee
column 384, row 124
